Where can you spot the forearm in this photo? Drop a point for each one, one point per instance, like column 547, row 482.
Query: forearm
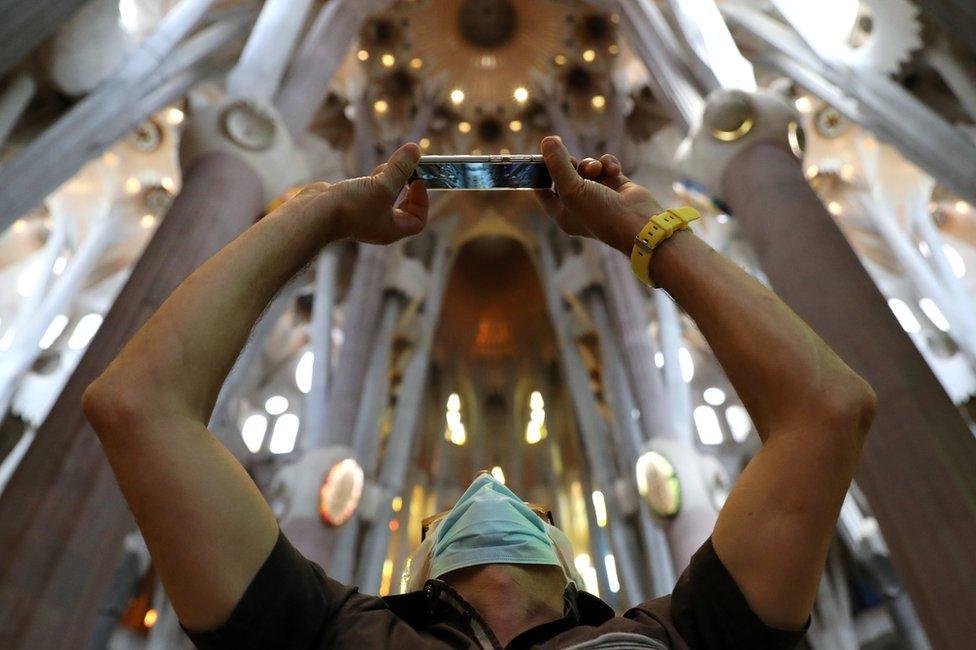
column 783, row 372
column 810, row 409
column 178, row 360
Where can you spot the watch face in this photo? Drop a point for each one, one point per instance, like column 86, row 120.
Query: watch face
column 657, row 480
column 341, row 491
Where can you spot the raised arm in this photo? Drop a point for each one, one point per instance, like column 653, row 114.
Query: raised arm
column 810, row 409
column 207, row 526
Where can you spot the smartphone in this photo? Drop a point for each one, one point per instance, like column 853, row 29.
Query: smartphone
column 495, row 172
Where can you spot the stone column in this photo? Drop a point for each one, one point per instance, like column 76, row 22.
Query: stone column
column 362, row 307
column 62, row 518
column 376, row 391
column 400, row 445
column 57, row 153
column 26, row 23
column 917, row 465
column 13, row 102
column 657, row 550
column 590, row 424
column 323, row 305
column 917, row 468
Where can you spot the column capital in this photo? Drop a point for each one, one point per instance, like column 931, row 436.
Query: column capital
column 251, row 130
column 735, row 120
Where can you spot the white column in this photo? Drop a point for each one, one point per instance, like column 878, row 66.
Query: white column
column 323, row 304
column 262, row 64
column 13, row 101
column 26, row 348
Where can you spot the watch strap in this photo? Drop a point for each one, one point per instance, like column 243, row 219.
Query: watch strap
column 659, row 228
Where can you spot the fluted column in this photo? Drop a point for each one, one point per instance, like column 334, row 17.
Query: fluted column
column 406, row 418
column 589, row 422
column 917, row 466
column 62, row 518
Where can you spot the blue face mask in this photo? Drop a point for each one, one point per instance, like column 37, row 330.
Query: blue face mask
column 490, row 525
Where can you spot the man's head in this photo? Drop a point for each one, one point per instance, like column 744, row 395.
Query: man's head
column 491, row 526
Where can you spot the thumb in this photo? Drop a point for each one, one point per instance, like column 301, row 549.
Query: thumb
column 399, row 167
column 560, row 164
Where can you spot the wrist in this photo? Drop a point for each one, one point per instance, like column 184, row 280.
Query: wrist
column 628, row 227
column 665, row 257
column 322, row 212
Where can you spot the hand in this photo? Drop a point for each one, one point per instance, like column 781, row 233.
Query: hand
column 594, row 199
column 362, row 208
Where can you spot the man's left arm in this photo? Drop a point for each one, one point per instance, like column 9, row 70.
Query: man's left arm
column 810, row 409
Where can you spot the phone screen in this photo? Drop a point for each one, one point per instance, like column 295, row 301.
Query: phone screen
column 509, row 175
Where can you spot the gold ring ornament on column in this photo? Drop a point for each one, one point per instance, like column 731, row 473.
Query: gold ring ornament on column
column 731, row 118
column 796, row 138
column 736, row 134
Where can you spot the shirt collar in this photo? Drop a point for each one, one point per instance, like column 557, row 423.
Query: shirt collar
column 439, row 602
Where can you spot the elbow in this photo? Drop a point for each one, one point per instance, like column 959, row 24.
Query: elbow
column 109, row 408
column 850, row 407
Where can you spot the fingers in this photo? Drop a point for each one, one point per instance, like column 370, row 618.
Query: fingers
column 399, row 167
column 611, row 165
column 560, row 164
column 590, row 168
column 378, row 169
column 611, row 173
column 410, row 217
column 416, row 200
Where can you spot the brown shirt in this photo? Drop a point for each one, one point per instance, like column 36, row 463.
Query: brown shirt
column 291, row 603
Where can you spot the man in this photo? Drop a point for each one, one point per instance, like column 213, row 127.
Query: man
column 235, row 581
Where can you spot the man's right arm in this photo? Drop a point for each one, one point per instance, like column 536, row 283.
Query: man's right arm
column 207, row 526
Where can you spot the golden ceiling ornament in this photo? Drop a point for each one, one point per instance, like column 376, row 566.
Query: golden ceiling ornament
column 147, row 136
column 516, row 39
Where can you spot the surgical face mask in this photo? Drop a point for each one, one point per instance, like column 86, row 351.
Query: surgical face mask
column 489, row 524
column 417, row 568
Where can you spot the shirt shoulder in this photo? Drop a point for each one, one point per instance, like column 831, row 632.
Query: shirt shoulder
column 291, row 603
column 707, row 610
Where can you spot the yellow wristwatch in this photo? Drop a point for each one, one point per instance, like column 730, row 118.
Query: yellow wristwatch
column 659, row 228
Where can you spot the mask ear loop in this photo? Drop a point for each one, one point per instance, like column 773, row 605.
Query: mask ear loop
column 564, row 546
column 417, row 567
